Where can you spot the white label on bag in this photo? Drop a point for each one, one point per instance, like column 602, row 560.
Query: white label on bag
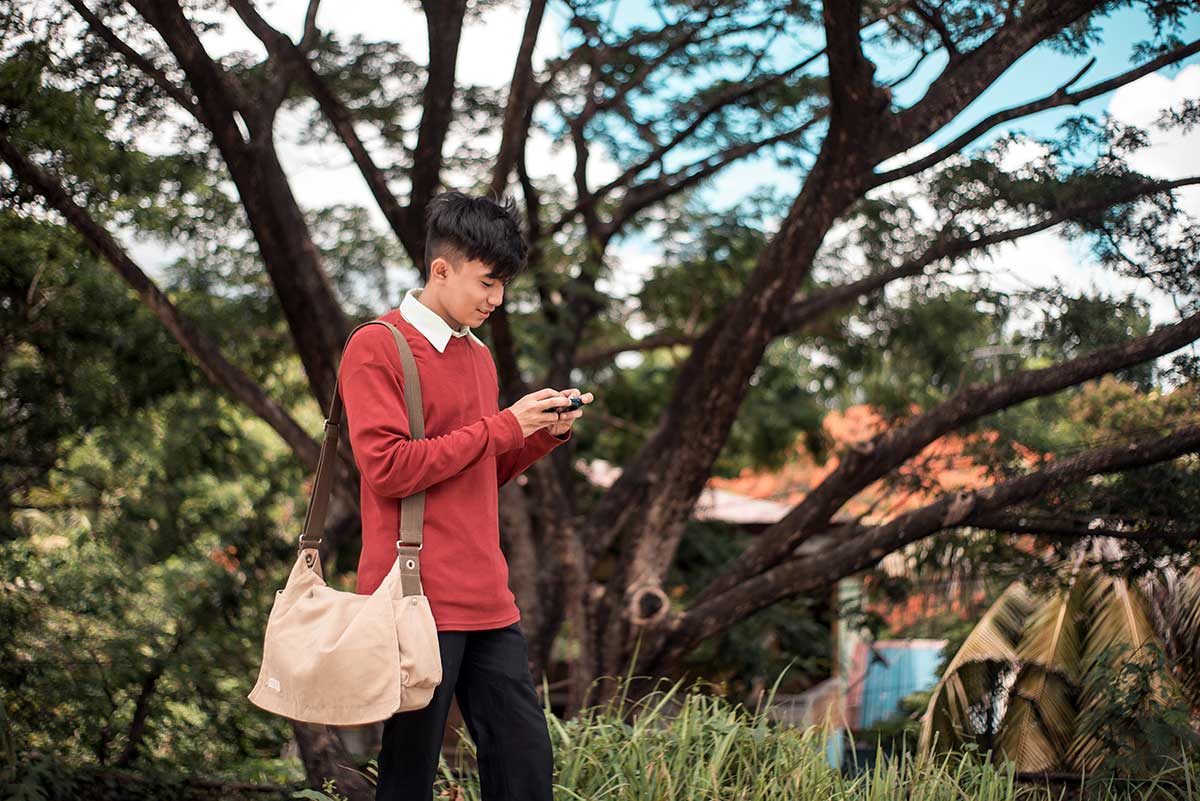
column 274, row 685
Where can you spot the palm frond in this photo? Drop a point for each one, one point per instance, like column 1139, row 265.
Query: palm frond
column 1040, row 719
column 1120, row 632
column 1066, row 680
column 1181, row 621
column 976, row 673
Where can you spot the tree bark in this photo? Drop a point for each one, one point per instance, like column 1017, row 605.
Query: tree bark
column 445, row 21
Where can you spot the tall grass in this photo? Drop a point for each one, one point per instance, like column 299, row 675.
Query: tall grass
column 673, row 745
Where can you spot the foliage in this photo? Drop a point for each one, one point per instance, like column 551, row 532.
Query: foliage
column 147, row 524
column 78, row 352
column 1136, row 729
column 143, row 634
column 41, row 777
column 899, row 734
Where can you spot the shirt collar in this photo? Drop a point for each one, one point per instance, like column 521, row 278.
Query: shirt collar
column 429, row 323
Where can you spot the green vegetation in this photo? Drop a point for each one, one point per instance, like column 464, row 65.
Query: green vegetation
column 675, row 744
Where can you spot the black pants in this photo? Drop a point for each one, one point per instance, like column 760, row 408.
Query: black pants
column 488, row 671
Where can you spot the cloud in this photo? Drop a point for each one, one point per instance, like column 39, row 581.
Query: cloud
column 1172, row 154
column 1021, row 152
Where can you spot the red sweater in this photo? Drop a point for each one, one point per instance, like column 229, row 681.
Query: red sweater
column 470, row 449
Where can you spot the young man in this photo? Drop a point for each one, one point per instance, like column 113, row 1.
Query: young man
column 473, row 249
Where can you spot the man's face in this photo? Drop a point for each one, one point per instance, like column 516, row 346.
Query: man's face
column 471, row 295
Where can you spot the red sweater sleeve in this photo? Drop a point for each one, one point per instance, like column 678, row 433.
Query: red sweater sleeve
column 538, row 444
column 392, row 463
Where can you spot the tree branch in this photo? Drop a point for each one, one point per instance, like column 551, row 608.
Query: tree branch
column 594, row 104
column 533, row 206
column 514, row 133
column 179, row 94
column 963, row 80
column 580, row 292
column 514, row 130
column 864, row 464
column 734, row 92
column 852, row 89
column 925, row 54
column 445, row 21
column 690, row 35
column 308, row 39
column 812, row 306
column 643, row 195
column 293, row 58
column 934, row 20
column 863, row 546
column 146, row 689
column 819, row 303
column 1075, row 526
column 595, row 357
column 731, row 94
column 218, row 94
column 1059, row 97
column 315, row 317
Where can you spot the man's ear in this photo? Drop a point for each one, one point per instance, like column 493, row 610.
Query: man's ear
column 438, row 267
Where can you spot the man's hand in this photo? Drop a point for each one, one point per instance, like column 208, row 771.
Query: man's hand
column 567, row 419
column 536, row 411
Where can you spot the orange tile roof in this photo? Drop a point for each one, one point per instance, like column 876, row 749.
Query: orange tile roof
column 944, row 465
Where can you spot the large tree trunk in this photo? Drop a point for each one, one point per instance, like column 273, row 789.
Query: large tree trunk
column 532, row 574
column 646, row 511
column 662, row 485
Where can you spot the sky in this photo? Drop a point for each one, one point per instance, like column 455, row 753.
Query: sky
column 322, row 175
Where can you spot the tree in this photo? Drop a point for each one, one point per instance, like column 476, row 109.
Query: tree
column 640, row 98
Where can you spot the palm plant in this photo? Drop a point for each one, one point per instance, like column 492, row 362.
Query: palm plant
column 1095, row 670
column 1177, row 608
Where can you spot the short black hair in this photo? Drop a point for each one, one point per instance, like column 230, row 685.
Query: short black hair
column 475, row 228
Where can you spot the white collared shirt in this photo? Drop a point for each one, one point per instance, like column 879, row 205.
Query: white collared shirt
column 429, row 322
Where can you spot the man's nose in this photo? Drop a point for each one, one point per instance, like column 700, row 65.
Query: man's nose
column 495, row 298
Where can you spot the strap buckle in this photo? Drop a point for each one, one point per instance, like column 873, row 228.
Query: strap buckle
column 400, row 545
column 302, row 546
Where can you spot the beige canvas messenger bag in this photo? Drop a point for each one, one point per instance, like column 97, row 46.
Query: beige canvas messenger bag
column 341, row 658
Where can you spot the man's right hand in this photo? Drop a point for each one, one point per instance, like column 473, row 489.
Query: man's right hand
column 537, row 409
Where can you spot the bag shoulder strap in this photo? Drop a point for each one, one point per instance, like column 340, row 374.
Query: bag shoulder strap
column 412, row 508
